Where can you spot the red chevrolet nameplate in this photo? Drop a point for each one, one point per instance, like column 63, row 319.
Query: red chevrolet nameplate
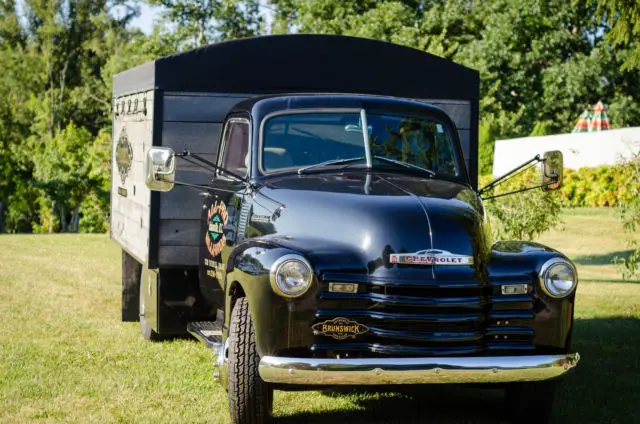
column 430, row 257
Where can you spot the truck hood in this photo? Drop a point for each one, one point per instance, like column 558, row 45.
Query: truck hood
column 354, row 221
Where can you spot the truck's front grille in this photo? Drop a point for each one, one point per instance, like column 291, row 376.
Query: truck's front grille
column 426, row 318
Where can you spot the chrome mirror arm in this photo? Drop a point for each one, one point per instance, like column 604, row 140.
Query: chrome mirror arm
column 210, row 165
column 534, row 161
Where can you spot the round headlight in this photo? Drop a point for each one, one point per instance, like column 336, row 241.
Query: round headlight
column 558, row 277
column 291, row 276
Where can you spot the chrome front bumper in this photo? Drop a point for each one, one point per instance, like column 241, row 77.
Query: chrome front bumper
column 380, row 371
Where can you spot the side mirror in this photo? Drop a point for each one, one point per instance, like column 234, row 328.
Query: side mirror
column 552, row 167
column 161, row 168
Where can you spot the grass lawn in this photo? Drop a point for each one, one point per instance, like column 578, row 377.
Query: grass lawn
column 66, row 357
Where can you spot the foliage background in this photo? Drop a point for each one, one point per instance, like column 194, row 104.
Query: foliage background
column 541, row 63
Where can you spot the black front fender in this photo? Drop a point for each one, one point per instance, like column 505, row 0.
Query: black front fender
column 273, row 315
column 517, row 261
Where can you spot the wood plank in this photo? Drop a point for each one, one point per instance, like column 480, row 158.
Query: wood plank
column 185, row 107
column 130, row 234
column 181, row 203
column 180, row 232
column 131, row 208
column 178, row 255
column 197, row 137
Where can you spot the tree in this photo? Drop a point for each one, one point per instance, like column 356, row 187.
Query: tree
column 200, row 22
column 526, row 215
column 52, row 63
column 439, row 27
column 630, row 215
column 64, row 170
column 624, row 18
column 17, row 81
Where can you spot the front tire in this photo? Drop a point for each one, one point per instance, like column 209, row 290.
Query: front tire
column 530, row 402
column 250, row 398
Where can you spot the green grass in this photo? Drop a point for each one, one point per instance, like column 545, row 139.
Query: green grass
column 66, row 357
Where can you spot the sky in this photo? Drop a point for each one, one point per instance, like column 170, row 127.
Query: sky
column 147, row 15
column 150, row 14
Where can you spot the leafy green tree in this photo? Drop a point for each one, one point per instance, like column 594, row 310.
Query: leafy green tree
column 526, row 215
column 630, row 215
column 52, row 64
column 486, row 144
column 200, row 22
column 17, row 81
column 11, row 33
column 439, row 27
column 64, row 170
column 624, row 16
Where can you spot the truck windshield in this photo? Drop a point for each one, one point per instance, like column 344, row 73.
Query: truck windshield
column 299, row 140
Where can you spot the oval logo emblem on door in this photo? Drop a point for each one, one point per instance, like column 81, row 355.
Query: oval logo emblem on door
column 217, row 218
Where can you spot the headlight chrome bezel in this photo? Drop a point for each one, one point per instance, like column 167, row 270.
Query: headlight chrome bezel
column 542, row 276
column 277, row 265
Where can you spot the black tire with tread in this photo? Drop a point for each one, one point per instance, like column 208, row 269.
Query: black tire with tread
column 530, row 402
column 250, row 398
column 147, row 332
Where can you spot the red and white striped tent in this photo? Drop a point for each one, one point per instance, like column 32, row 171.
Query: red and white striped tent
column 584, row 122
column 599, row 120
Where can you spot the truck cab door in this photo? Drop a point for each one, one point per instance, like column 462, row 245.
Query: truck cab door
column 225, row 209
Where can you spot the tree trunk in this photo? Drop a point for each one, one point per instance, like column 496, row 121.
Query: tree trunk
column 2, row 228
column 63, row 219
column 74, row 225
column 53, row 214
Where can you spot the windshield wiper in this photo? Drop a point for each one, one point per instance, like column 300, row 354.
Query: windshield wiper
column 406, row 165
column 330, row 162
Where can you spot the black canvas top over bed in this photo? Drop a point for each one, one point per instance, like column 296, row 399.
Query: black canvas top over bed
column 322, row 63
column 181, row 100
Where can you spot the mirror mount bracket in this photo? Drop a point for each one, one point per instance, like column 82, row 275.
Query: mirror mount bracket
column 518, row 191
column 201, row 162
column 510, row 174
column 551, row 175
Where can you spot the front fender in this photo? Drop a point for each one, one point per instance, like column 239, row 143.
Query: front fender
column 274, row 317
column 519, row 261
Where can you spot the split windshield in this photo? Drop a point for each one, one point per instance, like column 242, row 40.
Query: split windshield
column 300, row 140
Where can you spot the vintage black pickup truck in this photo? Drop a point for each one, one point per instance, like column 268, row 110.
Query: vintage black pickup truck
column 326, row 227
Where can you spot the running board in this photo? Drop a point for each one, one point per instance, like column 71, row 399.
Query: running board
column 208, row 332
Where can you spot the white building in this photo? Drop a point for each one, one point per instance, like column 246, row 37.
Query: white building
column 580, row 150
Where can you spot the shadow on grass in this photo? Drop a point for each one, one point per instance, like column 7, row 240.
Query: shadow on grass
column 603, row 389
column 434, row 404
column 605, row 386
column 605, row 259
